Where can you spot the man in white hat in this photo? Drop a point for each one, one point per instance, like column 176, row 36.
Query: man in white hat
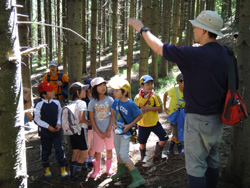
column 205, row 70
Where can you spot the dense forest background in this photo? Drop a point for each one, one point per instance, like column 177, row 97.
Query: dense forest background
column 28, row 45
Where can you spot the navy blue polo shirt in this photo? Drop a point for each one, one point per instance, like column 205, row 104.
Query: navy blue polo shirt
column 205, row 71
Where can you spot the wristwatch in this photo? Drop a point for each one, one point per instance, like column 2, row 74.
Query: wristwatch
column 143, row 29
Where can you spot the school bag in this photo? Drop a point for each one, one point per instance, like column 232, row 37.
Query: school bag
column 235, row 110
column 64, row 89
column 69, row 119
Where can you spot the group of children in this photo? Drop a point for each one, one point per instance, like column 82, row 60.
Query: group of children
column 111, row 121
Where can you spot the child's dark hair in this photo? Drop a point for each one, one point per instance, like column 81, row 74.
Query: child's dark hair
column 43, row 93
column 123, row 91
column 95, row 93
column 73, row 91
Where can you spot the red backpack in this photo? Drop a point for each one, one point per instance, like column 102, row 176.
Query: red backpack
column 235, row 110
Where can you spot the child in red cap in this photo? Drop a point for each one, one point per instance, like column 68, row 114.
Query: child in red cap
column 47, row 117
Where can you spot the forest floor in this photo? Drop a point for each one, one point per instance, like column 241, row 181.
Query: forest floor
column 168, row 174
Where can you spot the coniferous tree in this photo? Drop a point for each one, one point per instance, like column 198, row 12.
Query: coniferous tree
column 114, row 37
column 93, row 38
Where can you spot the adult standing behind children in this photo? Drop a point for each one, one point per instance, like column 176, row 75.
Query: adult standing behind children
column 100, row 117
column 176, row 102
column 150, row 104
column 205, row 71
column 125, row 114
column 79, row 143
column 58, row 79
column 47, row 116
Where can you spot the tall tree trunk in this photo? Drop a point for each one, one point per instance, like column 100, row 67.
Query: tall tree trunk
column 130, row 44
column 75, row 43
column 99, row 32
column 93, row 38
column 237, row 13
column 65, row 34
column 166, row 17
column 85, row 44
column 39, row 31
column 23, row 39
column 114, row 37
column 175, row 21
column 122, row 30
column 47, row 30
column 237, row 170
column 182, row 26
column 10, row 77
column 108, row 23
column 105, row 8
column 155, row 24
column 144, row 49
column 59, row 33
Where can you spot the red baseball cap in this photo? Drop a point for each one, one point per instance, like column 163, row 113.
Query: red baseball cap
column 45, row 86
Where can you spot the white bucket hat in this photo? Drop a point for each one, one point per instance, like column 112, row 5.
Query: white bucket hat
column 210, row 21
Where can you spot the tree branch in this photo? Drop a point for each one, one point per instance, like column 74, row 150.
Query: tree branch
column 25, row 52
column 50, row 25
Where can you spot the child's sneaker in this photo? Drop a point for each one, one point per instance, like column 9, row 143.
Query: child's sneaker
column 64, row 173
column 47, row 172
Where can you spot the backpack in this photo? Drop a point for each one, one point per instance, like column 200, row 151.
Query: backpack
column 69, row 119
column 64, row 89
column 235, row 110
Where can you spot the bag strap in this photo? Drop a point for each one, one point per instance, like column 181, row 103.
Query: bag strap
column 121, row 113
column 177, row 94
column 231, row 70
column 231, row 80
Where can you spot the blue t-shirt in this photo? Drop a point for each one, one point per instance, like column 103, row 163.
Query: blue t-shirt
column 101, row 111
column 129, row 111
column 205, row 71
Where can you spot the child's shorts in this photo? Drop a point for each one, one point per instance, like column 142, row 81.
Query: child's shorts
column 144, row 133
column 79, row 141
column 99, row 143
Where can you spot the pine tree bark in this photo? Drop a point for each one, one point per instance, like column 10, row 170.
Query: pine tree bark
column 155, row 24
column 166, row 19
column 84, row 45
column 75, row 50
column 59, row 56
column 144, row 49
column 122, row 29
column 65, row 33
column 9, row 93
column 130, row 43
column 93, row 38
column 114, row 37
column 237, row 170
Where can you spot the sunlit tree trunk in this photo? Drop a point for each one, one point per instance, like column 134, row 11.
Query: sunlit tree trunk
column 238, row 168
column 99, row 29
column 122, row 29
column 84, row 44
column 130, row 43
column 155, row 24
column 144, row 49
column 93, row 38
column 166, row 20
column 59, row 33
column 114, row 37
column 39, row 31
column 65, row 34
column 8, row 98
column 75, row 43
